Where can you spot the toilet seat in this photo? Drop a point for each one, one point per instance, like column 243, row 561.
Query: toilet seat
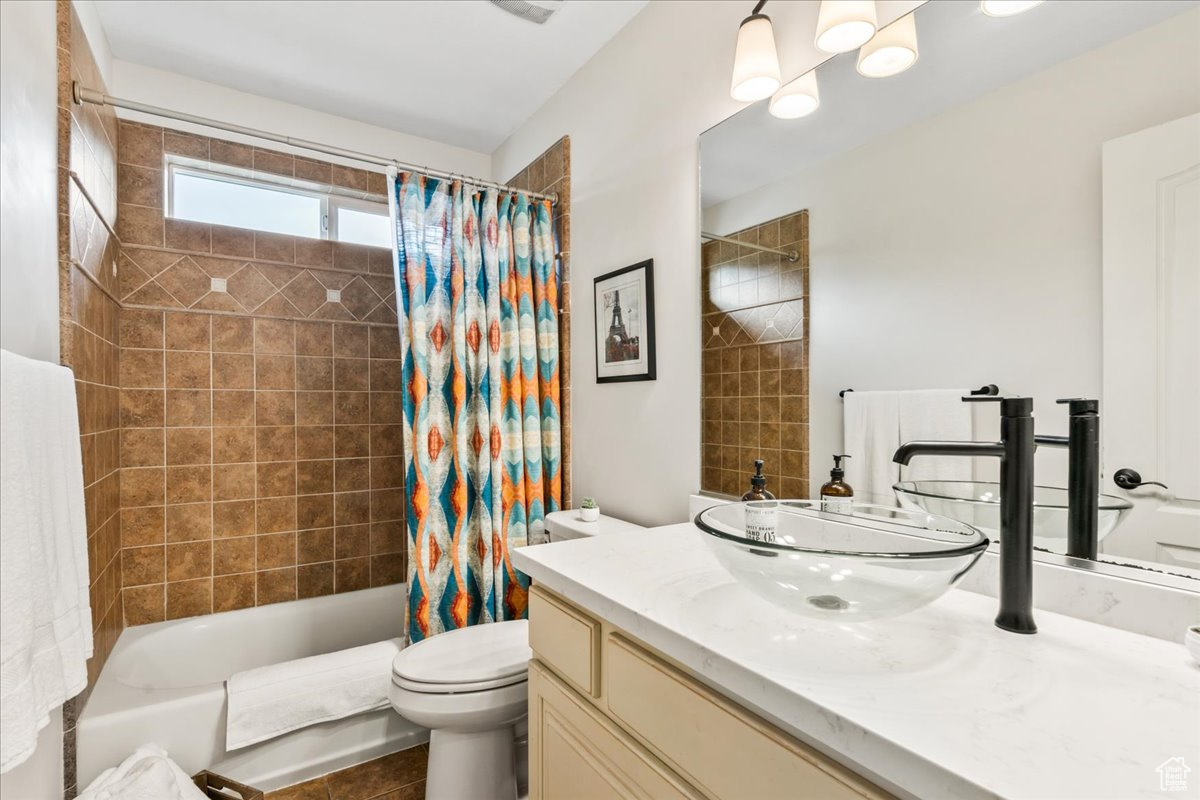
column 473, row 659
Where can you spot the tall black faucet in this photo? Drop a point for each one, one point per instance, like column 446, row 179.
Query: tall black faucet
column 1083, row 475
column 1015, row 451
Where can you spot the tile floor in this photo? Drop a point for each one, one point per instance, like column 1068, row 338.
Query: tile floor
column 399, row 776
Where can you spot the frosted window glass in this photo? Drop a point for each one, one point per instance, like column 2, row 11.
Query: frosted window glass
column 223, row 203
column 362, row 227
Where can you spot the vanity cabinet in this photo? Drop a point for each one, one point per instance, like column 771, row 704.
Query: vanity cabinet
column 610, row 718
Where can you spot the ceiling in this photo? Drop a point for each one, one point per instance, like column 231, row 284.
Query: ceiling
column 963, row 54
column 464, row 73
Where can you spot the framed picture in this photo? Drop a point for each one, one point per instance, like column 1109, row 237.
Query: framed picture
column 625, row 324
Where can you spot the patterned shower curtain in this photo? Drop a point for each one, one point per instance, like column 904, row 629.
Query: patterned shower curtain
column 477, row 299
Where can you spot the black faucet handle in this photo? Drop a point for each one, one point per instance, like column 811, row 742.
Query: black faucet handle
column 1080, row 405
column 1009, row 406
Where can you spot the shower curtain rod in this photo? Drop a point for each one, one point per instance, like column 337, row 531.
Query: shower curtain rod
column 84, row 95
column 790, row 255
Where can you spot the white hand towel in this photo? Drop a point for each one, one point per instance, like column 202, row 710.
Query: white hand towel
column 45, row 617
column 270, row 701
column 872, row 434
column 937, row 415
column 148, row 774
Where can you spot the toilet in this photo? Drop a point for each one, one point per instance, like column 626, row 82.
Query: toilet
column 469, row 687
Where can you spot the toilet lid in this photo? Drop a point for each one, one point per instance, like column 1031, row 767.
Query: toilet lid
column 478, row 657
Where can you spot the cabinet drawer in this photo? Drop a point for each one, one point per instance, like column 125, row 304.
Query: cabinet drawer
column 712, row 743
column 566, row 639
column 577, row 754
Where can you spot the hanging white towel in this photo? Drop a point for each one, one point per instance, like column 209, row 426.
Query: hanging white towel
column 45, row 618
column 148, row 774
column 872, row 434
column 270, row 701
column 937, row 415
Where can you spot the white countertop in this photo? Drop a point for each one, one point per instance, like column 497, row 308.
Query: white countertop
column 938, row 703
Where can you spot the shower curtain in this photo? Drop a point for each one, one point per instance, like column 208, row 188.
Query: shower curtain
column 477, row 300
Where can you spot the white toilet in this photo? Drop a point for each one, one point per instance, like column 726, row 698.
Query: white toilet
column 469, row 687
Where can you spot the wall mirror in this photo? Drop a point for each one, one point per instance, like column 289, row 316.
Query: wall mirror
column 1019, row 209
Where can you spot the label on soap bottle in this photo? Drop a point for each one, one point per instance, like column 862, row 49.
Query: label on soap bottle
column 761, row 519
column 837, row 505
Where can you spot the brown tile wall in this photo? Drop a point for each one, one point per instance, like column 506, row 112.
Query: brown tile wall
column 261, row 448
column 551, row 173
column 755, row 360
column 87, row 139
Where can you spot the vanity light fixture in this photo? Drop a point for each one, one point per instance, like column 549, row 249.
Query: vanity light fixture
column 755, row 61
column 798, row 98
column 891, row 51
column 1007, row 8
column 843, row 25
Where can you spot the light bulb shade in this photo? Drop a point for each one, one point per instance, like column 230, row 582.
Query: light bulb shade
column 798, row 98
column 843, row 25
column 1007, row 8
column 891, row 51
column 755, row 62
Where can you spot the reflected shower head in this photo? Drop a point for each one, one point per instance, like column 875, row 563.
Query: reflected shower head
column 531, row 10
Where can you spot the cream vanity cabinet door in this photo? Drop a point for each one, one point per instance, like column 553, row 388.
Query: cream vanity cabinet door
column 576, row 754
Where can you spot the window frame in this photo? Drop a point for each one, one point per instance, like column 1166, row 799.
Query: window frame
column 330, row 203
column 336, row 202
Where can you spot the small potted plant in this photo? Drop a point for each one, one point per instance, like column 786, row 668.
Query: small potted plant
column 589, row 511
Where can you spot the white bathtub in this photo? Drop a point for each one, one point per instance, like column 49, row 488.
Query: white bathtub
column 164, row 683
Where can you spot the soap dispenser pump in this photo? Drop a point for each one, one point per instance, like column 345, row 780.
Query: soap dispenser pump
column 758, row 485
column 837, row 495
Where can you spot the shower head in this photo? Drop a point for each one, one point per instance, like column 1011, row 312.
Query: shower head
column 530, row 10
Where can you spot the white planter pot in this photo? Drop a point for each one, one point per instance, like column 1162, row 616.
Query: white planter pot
column 589, row 514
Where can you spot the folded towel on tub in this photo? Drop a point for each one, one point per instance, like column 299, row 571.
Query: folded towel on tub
column 270, row 701
column 45, row 607
column 148, row 774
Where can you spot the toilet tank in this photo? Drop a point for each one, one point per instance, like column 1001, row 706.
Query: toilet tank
column 564, row 525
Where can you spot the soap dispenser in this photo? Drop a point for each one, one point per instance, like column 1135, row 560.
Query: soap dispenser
column 837, row 495
column 761, row 511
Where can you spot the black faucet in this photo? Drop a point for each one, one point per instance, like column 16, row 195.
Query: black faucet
column 1083, row 475
column 1015, row 451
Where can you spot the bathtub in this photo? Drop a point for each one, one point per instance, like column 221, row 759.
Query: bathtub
column 164, row 683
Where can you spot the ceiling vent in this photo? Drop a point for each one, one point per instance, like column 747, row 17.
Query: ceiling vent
column 530, row 10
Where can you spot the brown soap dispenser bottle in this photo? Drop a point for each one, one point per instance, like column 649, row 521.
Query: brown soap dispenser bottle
column 758, row 485
column 837, row 495
column 761, row 508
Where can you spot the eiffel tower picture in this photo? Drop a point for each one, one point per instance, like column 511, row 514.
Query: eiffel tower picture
column 624, row 303
column 619, row 345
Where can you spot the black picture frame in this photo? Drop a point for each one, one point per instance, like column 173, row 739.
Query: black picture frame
column 643, row 367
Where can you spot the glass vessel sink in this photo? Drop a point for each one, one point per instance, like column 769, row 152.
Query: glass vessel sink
column 978, row 503
column 862, row 563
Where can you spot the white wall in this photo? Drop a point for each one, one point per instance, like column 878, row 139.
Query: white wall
column 28, row 180
column 168, row 90
column 634, row 113
column 965, row 249
column 29, row 261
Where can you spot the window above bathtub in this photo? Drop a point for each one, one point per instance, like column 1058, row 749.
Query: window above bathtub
column 218, row 195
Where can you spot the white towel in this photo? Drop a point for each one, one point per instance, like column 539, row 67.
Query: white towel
column 270, row 701
column 148, row 774
column 45, row 617
column 936, row 415
column 872, row 434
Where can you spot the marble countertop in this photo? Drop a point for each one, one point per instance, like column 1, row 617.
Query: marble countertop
column 938, row 703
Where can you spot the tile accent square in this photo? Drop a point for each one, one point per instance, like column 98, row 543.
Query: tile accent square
column 217, row 285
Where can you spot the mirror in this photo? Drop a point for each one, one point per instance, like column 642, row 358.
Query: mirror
column 1020, row 209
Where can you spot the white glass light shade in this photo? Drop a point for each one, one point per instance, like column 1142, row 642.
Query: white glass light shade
column 891, row 51
column 843, row 25
column 798, row 98
column 755, row 62
column 1007, row 8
